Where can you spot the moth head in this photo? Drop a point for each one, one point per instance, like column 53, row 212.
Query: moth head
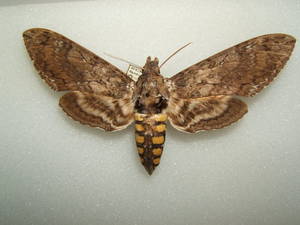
column 151, row 66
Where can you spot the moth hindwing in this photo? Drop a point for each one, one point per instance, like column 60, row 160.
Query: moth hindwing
column 200, row 97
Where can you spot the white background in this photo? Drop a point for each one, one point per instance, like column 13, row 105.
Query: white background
column 55, row 171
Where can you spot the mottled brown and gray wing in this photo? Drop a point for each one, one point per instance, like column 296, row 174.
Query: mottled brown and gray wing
column 65, row 65
column 206, row 113
column 244, row 69
column 101, row 95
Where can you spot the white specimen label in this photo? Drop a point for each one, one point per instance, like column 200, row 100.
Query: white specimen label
column 134, row 72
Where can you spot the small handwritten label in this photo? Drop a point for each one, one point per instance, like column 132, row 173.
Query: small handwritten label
column 134, row 72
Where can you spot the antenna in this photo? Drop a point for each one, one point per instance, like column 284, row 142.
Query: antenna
column 123, row 60
column 174, row 54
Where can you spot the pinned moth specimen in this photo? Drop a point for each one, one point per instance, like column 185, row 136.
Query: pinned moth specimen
column 201, row 97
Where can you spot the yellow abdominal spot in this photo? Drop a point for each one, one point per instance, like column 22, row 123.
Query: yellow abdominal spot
column 160, row 117
column 138, row 117
column 140, row 150
column 156, row 161
column 157, row 151
column 158, row 140
column 160, row 128
column 139, row 127
column 139, row 139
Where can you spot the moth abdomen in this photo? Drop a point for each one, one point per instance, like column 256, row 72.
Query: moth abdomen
column 150, row 133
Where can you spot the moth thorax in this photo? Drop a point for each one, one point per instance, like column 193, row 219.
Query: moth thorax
column 151, row 105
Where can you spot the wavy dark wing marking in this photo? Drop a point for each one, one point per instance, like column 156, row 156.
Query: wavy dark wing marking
column 244, row 69
column 98, row 111
column 193, row 115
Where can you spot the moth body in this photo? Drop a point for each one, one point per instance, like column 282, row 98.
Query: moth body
column 150, row 116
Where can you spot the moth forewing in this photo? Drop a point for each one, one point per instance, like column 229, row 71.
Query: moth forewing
column 244, row 69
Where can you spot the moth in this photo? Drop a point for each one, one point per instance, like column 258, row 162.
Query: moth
column 201, row 97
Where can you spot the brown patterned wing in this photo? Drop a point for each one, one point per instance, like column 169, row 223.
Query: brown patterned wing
column 206, row 113
column 101, row 111
column 244, row 69
column 65, row 65
column 101, row 95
